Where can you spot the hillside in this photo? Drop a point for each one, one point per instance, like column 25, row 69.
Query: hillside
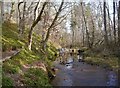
column 26, row 68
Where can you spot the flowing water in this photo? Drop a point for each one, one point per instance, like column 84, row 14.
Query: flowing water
column 82, row 74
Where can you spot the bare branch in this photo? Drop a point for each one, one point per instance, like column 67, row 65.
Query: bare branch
column 59, row 10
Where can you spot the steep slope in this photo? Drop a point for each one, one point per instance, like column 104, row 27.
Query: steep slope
column 27, row 68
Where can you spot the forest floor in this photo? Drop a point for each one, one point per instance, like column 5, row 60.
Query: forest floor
column 18, row 79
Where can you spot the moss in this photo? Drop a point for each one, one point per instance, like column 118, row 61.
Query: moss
column 11, row 68
column 36, row 77
column 51, row 50
column 10, row 38
column 6, row 81
column 15, row 63
column 10, row 30
column 11, row 41
column 0, row 73
column 108, row 62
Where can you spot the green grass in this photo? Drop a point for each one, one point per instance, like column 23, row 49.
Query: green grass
column 6, row 82
column 15, row 64
column 103, row 59
column 36, row 77
column 108, row 62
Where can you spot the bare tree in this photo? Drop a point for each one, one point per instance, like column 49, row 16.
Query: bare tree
column 52, row 24
column 83, row 33
column 105, row 27
column 109, row 23
column 119, row 25
column 36, row 9
column 114, row 21
column 87, row 33
column 93, row 31
column 34, row 24
column 21, row 17
column 12, row 10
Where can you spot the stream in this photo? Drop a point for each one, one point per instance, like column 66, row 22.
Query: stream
column 82, row 74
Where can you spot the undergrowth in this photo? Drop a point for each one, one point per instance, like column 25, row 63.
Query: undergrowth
column 11, row 41
column 104, row 60
column 36, row 77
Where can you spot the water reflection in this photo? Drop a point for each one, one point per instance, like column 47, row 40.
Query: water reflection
column 69, row 66
column 70, row 60
column 75, row 73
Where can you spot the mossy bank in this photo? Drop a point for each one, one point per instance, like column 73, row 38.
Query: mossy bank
column 22, row 69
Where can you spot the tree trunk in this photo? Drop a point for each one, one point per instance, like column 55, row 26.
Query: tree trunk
column 83, row 34
column 114, row 22
column 36, row 9
column 12, row 11
column 30, row 39
column 87, row 33
column 105, row 27
column 21, row 18
column 33, row 25
column 109, row 23
column 93, row 32
column 119, row 25
column 53, row 22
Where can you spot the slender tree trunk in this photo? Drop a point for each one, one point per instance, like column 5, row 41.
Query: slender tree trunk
column 30, row 39
column 87, row 33
column 105, row 28
column 33, row 25
column 73, row 25
column 36, row 9
column 73, row 37
column 119, row 25
column 114, row 22
column 21, row 18
column 109, row 23
column 93, row 31
column 83, row 37
column 12, row 11
column 53, row 22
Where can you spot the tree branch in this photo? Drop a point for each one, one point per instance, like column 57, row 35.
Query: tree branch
column 59, row 10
